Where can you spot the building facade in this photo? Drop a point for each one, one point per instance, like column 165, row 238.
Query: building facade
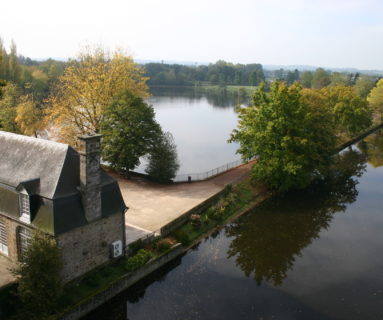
column 50, row 187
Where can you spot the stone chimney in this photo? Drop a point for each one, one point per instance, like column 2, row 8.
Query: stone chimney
column 90, row 176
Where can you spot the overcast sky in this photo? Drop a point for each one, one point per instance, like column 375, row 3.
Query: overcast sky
column 329, row 33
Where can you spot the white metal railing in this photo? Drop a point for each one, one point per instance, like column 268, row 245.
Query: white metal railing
column 205, row 175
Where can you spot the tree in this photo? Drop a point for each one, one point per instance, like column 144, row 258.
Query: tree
column 29, row 116
column 320, row 79
column 8, row 103
column 292, row 77
column 14, row 67
column 87, row 87
column 363, row 85
column 351, row 113
column 306, row 79
column 129, row 131
column 38, row 274
column 292, row 142
column 338, row 78
column 375, row 98
column 163, row 161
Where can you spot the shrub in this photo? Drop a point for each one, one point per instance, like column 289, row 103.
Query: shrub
column 163, row 245
column 182, row 236
column 137, row 245
column 228, row 189
column 231, row 198
column 195, row 221
column 138, row 260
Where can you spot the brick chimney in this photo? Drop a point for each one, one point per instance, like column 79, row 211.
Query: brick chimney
column 90, row 177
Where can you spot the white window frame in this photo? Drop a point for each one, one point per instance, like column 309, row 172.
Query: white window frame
column 24, row 236
column 3, row 238
column 25, row 207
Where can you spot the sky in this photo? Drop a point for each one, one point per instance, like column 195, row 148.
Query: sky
column 327, row 33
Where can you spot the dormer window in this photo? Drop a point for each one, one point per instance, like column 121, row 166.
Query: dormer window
column 25, row 208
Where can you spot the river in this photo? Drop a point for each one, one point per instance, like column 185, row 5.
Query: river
column 312, row 254
column 200, row 123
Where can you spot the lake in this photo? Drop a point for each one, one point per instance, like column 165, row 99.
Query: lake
column 313, row 254
column 200, row 123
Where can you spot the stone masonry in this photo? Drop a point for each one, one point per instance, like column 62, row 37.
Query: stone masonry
column 88, row 247
column 90, row 184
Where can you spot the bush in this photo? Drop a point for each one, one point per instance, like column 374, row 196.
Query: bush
column 163, row 245
column 182, row 236
column 195, row 221
column 136, row 246
column 137, row 261
column 228, row 189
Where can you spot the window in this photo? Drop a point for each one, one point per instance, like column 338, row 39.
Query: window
column 23, row 240
column 3, row 238
column 25, row 208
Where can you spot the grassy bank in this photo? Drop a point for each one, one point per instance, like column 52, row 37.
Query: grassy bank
column 230, row 88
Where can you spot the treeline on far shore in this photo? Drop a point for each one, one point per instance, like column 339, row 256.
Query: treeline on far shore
column 224, row 73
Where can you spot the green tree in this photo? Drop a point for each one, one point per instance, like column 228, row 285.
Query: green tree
column 321, row 79
column 306, row 79
column 338, row 78
column 363, row 85
column 163, row 161
column 375, row 98
column 292, row 141
column 129, row 131
column 291, row 77
column 14, row 67
column 39, row 276
column 351, row 113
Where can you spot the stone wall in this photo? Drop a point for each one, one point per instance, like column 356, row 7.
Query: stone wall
column 87, row 247
column 125, row 282
column 182, row 219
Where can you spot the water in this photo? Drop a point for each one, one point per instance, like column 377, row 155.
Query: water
column 313, row 254
column 201, row 124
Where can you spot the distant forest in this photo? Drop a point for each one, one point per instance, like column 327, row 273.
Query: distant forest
column 225, row 73
column 37, row 77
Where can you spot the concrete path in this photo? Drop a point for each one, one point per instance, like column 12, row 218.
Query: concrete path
column 151, row 205
column 6, row 276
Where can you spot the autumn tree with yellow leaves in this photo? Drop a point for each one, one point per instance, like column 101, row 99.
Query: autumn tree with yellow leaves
column 87, row 86
column 30, row 115
column 375, row 98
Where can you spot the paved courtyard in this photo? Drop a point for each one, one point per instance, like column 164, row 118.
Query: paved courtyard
column 151, row 205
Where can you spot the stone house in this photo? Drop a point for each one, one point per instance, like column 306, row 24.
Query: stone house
column 49, row 186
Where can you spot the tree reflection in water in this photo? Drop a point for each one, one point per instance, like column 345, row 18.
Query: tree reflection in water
column 267, row 241
column 373, row 147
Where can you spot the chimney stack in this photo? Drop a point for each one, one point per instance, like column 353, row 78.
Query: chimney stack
column 90, row 177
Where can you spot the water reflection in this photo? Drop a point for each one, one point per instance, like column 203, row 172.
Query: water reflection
column 373, row 147
column 267, row 242
column 219, row 97
column 116, row 308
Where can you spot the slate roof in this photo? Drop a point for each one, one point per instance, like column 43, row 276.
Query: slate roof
column 25, row 158
column 49, row 172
